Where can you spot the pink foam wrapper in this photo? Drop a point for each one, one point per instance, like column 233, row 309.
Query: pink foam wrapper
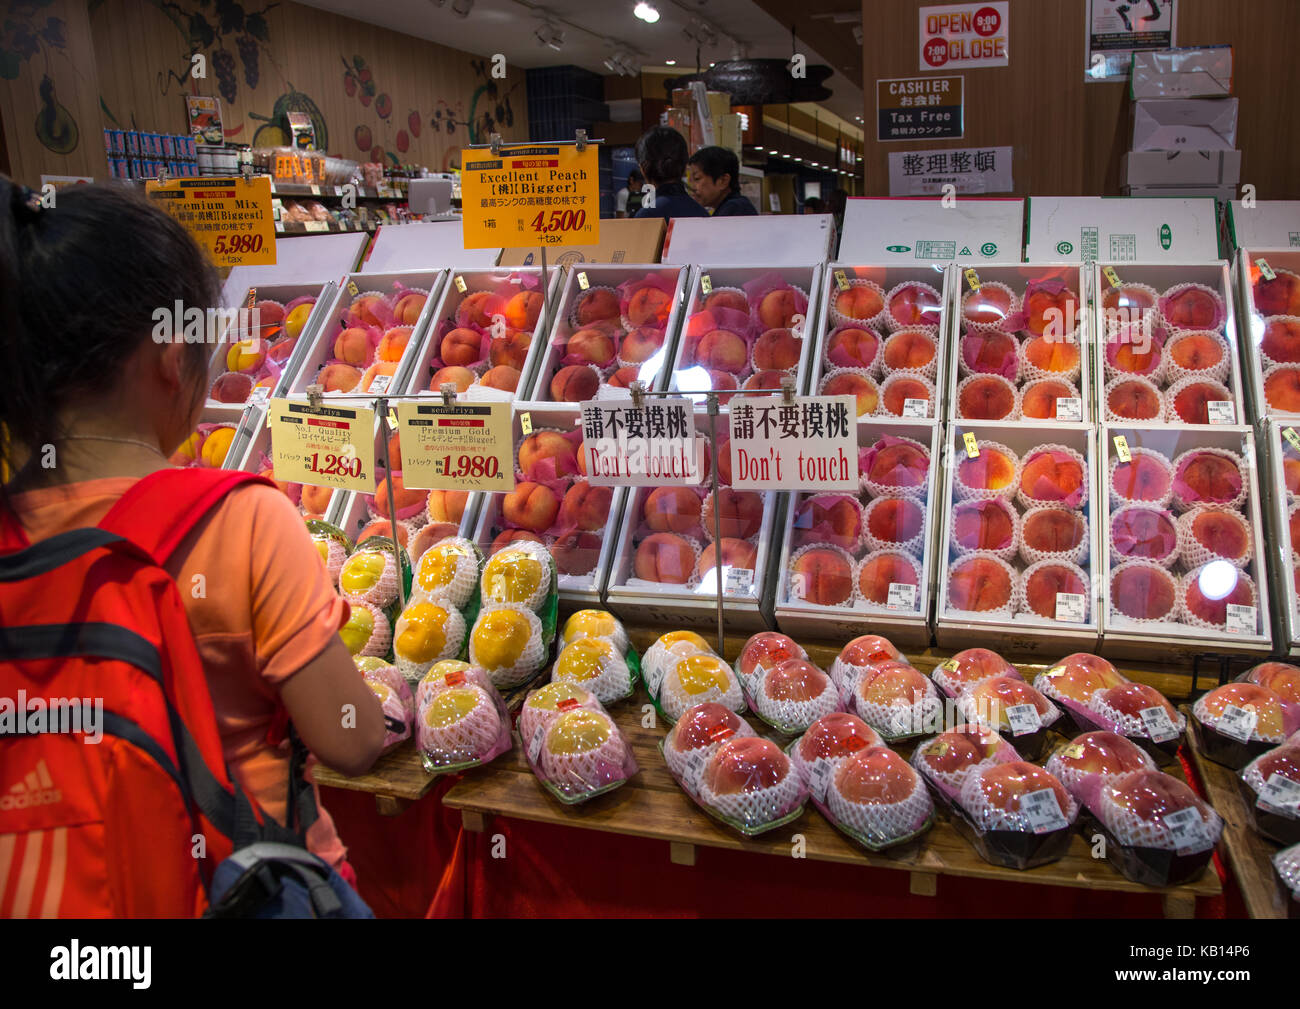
column 1184, row 491
column 485, row 343
column 528, row 281
column 386, row 313
column 629, row 287
column 842, row 360
column 823, row 531
column 1051, row 285
column 1009, row 367
column 1125, row 539
column 1043, row 490
column 293, row 490
column 867, row 456
column 546, row 471
column 760, row 287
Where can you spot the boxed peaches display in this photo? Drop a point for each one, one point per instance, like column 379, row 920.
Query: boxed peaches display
column 1268, row 286
column 865, row 561
column 746, row 328
column 1017, row 566
column 882, row 339
column 1166, row 345
column 1021, row 344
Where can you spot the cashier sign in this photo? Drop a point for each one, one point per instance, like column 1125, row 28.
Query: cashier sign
column 535, row 195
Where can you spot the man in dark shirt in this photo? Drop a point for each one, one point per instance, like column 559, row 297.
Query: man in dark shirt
column 713, row 174
column 662, row 153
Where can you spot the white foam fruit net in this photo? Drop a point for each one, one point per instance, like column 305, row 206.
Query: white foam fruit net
column 880, row 822
column 507, row 576
column 1254, row 777
column 679, row 760
column 611, row 683
column 758, row 806
column 659, row 658
column 675, row 699
column 900, row 718
column 1287, row 865
column 1195, row 553
column 951, row 780
column 532, row 715
column 448, row 568
column 414, row 666
column 990, row 817
column 1132, row 830
column 529, row 659
column 571, row 633
column 1126, row 724
column 463, row 739
column 795, row 715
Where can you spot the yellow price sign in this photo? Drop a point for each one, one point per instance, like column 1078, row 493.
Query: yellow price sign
column 231, row 218
column 323, row 446
column 465, row 446
column 972, row 447
column 534, row 194
column 1121, row 449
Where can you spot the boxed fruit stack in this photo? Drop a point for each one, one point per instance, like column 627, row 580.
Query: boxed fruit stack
column 1181, row 556
column 552, row 503
column 485, row 334
column 1021, row 344
column 1166, row 345
column 866, row 560
column 1270, row 783
column 1280, row 483
column 883, row 339
column 613, row 325
column 258, row 350
column 1016, row 566
column 370, row 334
column 1268, row 289
column 663, row 567
column 216, row 441
column 746, row 327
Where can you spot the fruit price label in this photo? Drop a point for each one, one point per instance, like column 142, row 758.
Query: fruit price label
column 1265, row 270
column 1241, row 618
column 1221, row 411
column 583, row 282
column 535, row 744
column 841, row 281
column 972, row 278
column 1023, row 719
column 1071, row 607
column 324, row 446
column 231, row 218
column 1160, row 727
column 651, row 445
column 1187, row 830
column 972, row 446
column 902, row 596
column 1280, row 795
column 1042, row 812
column 465, row 446
column 1121, row 449
column 1073, row 752
column 530, row 195
column 1069, row 408
column 820, row 778
column 1112, row 278
column 916, row 408
column 694, row 770
column 706, row 284
column 1238, row 723
column 1289, row 433
column 737, row 581
column 810, row 443
column 952, row 665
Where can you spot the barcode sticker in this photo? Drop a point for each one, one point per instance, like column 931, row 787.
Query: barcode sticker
column 1112, row 278
column 260, row 395
column 1280, row 795
column 583, row 282
column 972, row 446
column 535, row 744
column 460, row 285
column 841, row 281
column 901, row 596
column 1160, row 727
column 1042, row 812
column 1265, row 270
column 379, row 384
column 526, row 423
column 1187, row 830
column 1221, row 411
column 706, row 284
column 1069, row 408
column 1241, row 618
column 1023, row 719
column 1071, row 607
column 694, row 771
column 1121, row 448
column 916, row 408
column 1290, row 435
column 738, row 580
column 1237, row 723
column 820, row 778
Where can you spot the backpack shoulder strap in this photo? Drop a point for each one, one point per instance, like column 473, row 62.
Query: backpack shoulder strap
column 160, row 510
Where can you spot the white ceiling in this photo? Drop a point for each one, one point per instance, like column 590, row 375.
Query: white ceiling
column 507, row 26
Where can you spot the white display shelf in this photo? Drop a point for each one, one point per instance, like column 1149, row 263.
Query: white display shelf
column 1252, row 327
column 1279, row 549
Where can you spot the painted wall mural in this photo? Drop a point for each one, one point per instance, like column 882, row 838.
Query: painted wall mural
column 31, row 38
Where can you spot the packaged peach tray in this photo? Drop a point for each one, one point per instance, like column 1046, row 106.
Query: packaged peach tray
column 461, row 722
column 576, row 751
column 1015, row 814
column 1270, row 784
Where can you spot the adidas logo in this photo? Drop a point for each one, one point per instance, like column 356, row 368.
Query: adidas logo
column 36, row 789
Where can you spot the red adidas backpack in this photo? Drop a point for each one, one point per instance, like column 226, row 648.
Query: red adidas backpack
column 135, row 824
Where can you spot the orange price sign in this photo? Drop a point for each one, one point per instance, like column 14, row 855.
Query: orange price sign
column 538, row 194
column 229, row 217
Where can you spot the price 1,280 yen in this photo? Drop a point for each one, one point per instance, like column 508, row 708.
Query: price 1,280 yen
column 331, row 464
column 560, row 220
column 470, row 465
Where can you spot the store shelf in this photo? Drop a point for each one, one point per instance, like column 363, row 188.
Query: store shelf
column 1250, row 855
column 291, row 228
column 330, row 192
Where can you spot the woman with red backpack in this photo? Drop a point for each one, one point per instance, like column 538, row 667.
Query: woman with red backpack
column 198, row 611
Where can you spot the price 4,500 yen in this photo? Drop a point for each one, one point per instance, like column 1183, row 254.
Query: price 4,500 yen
column 560, row 220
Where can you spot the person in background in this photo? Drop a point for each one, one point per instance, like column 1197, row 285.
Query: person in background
column 814, row 205
column 836, row 204
column 628, row 201
column 662, row 154
column 713, row 176
column 89, row 376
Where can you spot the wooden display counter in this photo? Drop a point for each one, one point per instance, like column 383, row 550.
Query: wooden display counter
column 652, row 806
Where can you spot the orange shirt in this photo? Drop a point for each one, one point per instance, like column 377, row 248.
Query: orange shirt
column 259, row 603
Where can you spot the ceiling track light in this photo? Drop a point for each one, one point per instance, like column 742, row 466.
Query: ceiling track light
column 646, row 12
column 550, row 34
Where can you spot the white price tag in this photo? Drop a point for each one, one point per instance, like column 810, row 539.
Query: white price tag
column 261, row 395
column 1071, row 607
column 738, row 580
column 1238, row 723
column 379, row 384
column 314, row 226
column 1023, row 719
column 1158, row 724
column 1241, row 619
column 694, row 771
column 821, row 778
column 916, row 408
column 1069, row 408
column 1041, row 810
column 1280, row 795
column 535, row 744
column 1221, row 411
column 902, row 596
column 1188, row 830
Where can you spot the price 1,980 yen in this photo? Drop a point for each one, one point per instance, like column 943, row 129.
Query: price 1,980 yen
column 331, row 464
column 470, row 466
column 560, row 220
